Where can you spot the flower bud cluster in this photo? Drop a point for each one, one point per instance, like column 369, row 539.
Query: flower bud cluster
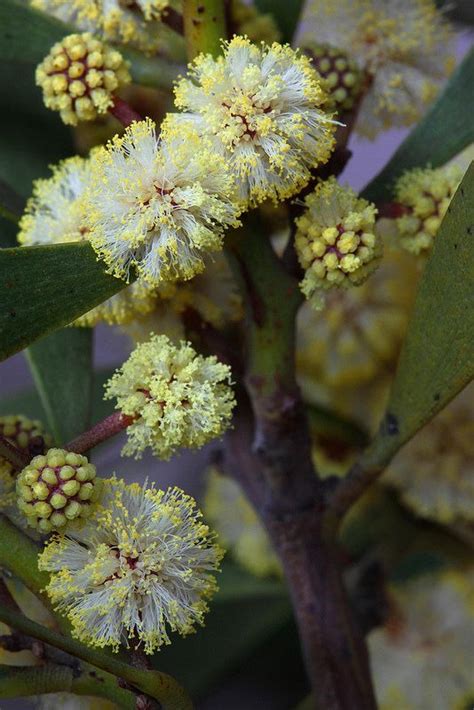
column 335, row 240
column 424, row 194
column 342, row 76
column 78, row 77
column 56, row 488
column 20, row 431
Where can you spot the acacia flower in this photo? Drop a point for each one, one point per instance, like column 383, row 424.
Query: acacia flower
column 159, row 206
column 138, row 23
column 434, row 472
column 56, row 488
column 424, row 194
column 335, row 240
column 140, row 567
column 177, row 397
column 238, row 526
column 57, row 213
column 79, row 76
column 421, row 657
column 263, row 108
column 403, row 46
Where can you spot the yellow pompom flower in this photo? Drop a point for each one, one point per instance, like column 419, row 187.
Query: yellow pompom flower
column 158, row 206
column 342, row 76
column 434, row 472
column 404, row 46
column 422, row 657
column 140, row 567
column 263, row 108
column 335, row 240
column 137, row 23
column 238, row 526
column 177, row 397
column 79, row 76
column 57, row 213
column 424, row 194
column 56, row 488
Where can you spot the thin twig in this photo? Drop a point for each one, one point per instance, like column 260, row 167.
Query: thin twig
column 18, row 458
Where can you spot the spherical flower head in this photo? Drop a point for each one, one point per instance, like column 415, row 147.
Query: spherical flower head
column 343, row 78
column 158, row 206
column 421, row 658
column 56, row 488
column 335, row 240
column 57, row 213
column 177, row 397
column 136, row 23
column 257, row 26
column 238, row 526
column 404, row 46
column 22, row 431
column 79, row 77
column 141, row 566
column 263, row 108
column 424, row 194
column 434, row 472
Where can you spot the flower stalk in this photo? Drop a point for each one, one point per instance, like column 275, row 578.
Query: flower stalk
column 100, row 432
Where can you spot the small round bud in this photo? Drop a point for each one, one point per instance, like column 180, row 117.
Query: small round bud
column 78, row 77
column 335, row 240
column 424, row 195
column 22, row 432
column 343, row 78
column 55, row 488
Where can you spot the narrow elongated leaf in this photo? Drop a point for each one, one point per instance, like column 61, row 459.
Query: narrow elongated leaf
column 61, row 365
column 437, row 359
column 45, row 288
column 285, row 13
column 445, row 131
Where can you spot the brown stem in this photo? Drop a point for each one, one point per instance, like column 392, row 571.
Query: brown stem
column 174, row 20
column 123, row 112
column 100, row 432
column 333, row 645
column 19, row 459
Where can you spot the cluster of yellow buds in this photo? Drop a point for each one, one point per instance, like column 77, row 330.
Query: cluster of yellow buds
column 21, row 431
column 79, row 76
column 56, row 488
column 424, row 195
column 342, row 76
column 335, row 240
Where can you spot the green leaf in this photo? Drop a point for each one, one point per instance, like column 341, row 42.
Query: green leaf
column 45, row 288
column 28, row 401
column 27, row 34
column 61, row 365
column 437, row 358
column 442, row 133
column 286, row 14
